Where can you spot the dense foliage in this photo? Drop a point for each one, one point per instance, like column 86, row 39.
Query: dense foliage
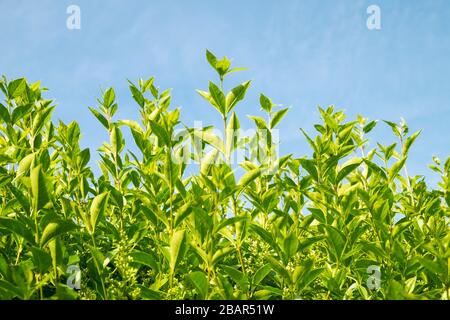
column 150, row 226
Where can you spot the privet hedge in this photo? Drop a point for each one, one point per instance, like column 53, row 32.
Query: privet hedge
column 179, row 218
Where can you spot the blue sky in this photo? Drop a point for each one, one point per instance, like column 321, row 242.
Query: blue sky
column 300, row 53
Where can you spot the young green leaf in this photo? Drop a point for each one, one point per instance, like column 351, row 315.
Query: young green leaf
column 109, row 97
column 408, row 142
column 395, row 169
column 100, row 117
column 310, row 167
column 218, row 97
column 249, row 176
column 16, row 87
column 232, row 134
column 266, row 103
column 236, row 95
column 277, row 117
column 347, row 168
column 4, row 114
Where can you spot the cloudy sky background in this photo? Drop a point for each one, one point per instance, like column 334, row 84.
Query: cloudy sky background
column 300, row 53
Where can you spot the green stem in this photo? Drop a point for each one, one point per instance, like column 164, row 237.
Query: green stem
column 98, row 268
column 19, row 251
column 169, row 160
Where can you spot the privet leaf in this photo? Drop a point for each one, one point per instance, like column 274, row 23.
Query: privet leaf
column 39, row 189
column 97, row 209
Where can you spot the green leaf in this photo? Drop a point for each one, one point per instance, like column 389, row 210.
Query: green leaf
column 290, row 245
column 145, row 259
column 218, row 97
column 207, row 96
column 39, row 189
column 249, row 177
column 408, row 142
column 336, row 241
column 208, row 160
column 211, row 59
column 307, row 242
column 56, row 252
column 261, row 273
column 54, row 229
column 137, row 95
column 310, row 167
column 160, row 132
column 84, row 157
column 4, row 114
column 266, row 103
column 41, row 119
column 266, row 236
column 394, row 127
column 221, row 253
column 395, row 169
column 17, row 227
column 64, row 292
column 100, row 117
column 200, row 282
column 99, row 259
column 236, row 95
column 117, row 142
column 260, row 123
column 42, row 260
column 310, row 141
column 400, row 227
column 432, row 266
column 235, row 274
column 280, row 269
column 232, row 134
column 209, row 137
column 228, row 221
column 177, row 245
column 347, row 168
column 109, row 97
column 4, row 268
column 222, row 66
column 20, row 112
column 25, row 164
column 149, row 294
column 235, row 70
column 11, row 289
column 16, row 87
column 183, row 212
column 310, row 276
column 97, row 209
column 277, row 117
column 133, row 125
column 369, row 127
column 376, row 169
